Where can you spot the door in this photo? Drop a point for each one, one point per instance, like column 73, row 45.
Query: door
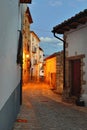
column 76, row 77
column 53, row 80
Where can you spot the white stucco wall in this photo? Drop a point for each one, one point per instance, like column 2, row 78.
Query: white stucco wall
column 41, row 55
column 77, row 44
column 34, row 56
column 9, row 71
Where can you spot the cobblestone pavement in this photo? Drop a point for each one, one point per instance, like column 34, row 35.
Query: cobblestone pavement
column 44, row 110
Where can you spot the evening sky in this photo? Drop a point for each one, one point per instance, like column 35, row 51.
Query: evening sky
column 48, row 13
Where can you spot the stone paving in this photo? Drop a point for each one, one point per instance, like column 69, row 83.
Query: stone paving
column 44, row 110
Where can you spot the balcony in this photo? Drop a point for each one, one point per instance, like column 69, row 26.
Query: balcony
column 34, row 61
column 34, row 49
column 27, row 47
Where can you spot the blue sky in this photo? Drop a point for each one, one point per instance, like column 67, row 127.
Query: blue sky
column 48, row 13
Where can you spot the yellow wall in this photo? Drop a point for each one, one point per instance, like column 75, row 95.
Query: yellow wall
column 50, row 70
column 54, row 72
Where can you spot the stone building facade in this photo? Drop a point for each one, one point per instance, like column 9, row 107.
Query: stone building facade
column 53, row 71
column 27, row 20
column 74, row 31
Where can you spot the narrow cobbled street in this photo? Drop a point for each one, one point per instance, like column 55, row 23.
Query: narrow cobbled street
column 44, row 110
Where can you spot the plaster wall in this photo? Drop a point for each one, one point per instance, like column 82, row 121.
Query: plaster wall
column 50, row 68
column 34, row 56
column 77, row 45
column 9, row 70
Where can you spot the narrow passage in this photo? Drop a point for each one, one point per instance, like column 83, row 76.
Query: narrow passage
column 44, row 110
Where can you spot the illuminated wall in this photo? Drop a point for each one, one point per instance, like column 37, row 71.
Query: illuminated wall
column 54, row 71
column 27, row 20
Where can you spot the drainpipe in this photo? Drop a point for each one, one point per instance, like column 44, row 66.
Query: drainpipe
column 63, row 58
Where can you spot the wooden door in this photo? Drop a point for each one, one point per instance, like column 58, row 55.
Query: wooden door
column 53, row 80
column 76, row 77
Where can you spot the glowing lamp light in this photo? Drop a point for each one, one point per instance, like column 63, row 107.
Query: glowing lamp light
column 27, row 56
column 23, row 56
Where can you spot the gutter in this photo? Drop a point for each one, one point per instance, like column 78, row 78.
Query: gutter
column 63, row 58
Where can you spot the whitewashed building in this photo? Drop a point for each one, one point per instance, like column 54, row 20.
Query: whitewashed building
column 41, row 63
column 10, row 70
column 74, row 31
column 34, row 56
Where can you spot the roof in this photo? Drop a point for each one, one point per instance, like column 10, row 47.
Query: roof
column 40, row 48
column 71, row 23
column 53, row 55
column 25, row 1
column 35, row 35
column 29, row 15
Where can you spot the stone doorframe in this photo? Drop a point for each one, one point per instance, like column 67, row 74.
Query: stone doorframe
column 67, row 91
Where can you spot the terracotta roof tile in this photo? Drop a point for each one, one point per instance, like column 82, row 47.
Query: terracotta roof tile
column 71, row 23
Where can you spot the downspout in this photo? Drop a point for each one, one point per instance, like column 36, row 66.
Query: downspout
column 63, row 58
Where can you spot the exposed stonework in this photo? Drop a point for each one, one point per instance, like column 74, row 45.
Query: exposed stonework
column 59, row 73
column 54, row 71
column 67, row 96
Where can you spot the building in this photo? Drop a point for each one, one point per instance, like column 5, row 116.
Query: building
column 27, row 20
column 10, row 71
column 74, row 31
column 53, row 71
column 10, row 63
column 41, row 64
column 34, row 56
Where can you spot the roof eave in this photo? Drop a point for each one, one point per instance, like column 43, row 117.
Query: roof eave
column 35, row 35
column 26, row 1
column 71, row 23
column 29, row 15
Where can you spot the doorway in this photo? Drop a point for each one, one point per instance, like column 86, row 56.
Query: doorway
column 76, row 77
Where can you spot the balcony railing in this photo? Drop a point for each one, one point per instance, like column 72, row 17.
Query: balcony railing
column 34, row 49
column 34, row 62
